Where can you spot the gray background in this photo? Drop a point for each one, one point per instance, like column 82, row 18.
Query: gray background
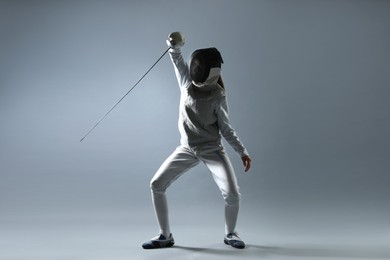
column 308, row 88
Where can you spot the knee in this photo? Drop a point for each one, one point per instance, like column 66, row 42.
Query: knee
column 232, row 198
column 156, row 186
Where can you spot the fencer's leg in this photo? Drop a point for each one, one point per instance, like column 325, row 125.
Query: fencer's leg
column 160, row 205
column 222, row 171
column 181, row 160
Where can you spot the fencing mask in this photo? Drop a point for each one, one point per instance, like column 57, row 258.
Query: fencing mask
column 205, row 66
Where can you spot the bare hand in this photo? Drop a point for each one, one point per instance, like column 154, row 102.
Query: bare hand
column 246, row 160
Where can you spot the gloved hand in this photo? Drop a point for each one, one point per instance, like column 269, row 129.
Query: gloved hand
column 246, row 161
column 175, row 40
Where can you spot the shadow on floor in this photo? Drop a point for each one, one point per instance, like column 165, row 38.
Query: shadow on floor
column 210, row 250
column 294, row 251
column 324, row 251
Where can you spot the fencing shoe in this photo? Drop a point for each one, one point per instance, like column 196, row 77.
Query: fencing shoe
column 159, row 242
column 234, row 240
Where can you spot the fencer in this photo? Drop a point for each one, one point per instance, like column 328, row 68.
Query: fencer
column 203, row 121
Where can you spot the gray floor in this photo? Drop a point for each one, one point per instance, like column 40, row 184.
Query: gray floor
column 119, row 237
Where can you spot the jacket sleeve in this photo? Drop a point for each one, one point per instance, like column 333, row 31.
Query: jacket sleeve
column 226, row 129
column 181, row 67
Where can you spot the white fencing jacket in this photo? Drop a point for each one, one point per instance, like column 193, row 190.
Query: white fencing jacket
column 203, row 112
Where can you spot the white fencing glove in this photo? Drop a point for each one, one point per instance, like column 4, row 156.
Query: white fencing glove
column 175, row 40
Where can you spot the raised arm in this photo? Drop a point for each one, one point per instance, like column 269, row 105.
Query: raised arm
column 175, row 42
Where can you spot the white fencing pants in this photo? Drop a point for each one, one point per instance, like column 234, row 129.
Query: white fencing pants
column 183, row 159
